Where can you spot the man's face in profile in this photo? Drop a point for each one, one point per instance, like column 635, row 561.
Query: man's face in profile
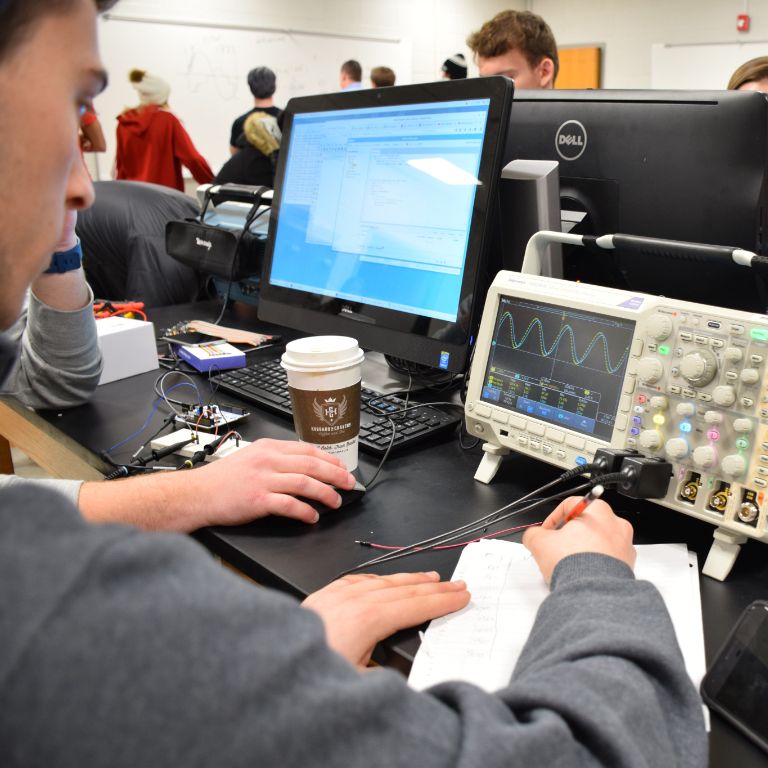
column 46, row 77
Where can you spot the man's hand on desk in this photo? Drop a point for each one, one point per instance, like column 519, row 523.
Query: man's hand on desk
column 596, row 529
column 362, row 609
column 261, row 479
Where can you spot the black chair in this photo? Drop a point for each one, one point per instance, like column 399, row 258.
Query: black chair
column 123, row 241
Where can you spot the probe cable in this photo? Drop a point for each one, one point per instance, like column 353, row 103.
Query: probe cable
column 465, row 530
column 496, row 516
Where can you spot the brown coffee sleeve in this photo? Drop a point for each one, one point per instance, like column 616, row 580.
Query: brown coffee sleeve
column 326, row 417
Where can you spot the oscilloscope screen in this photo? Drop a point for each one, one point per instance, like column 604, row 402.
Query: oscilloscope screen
column 557, row 364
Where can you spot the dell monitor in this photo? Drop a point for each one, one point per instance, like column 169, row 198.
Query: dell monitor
column 380, row 217
column 667, row 164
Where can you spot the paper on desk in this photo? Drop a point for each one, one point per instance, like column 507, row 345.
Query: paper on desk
column 482, row 642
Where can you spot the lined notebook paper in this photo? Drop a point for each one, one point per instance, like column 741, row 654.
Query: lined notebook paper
column 482, row 642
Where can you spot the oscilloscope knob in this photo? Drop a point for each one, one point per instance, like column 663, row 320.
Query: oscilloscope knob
column 676, row 448
column 699, row 367
column 659, row 327
column 733, row 465
column 733, row 354
column 750, row 376
column 649, row 439
column 724, row 395
column 704, row 456
column 742, row 425
column 649, row 369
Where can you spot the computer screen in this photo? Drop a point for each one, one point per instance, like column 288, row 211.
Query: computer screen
column 561, row 365
column 668, row 164
column 378, row 227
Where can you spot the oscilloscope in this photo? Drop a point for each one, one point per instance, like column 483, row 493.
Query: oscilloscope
column 562, row 369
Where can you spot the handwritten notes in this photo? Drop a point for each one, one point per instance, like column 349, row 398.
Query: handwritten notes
column 482, row 642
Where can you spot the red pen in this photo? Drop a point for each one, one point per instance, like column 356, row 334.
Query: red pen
column 581, row 505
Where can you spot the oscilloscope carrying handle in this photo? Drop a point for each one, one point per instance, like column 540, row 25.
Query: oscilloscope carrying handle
column 534, row 251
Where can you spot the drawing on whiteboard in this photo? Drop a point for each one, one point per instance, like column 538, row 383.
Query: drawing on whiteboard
column 201, row 74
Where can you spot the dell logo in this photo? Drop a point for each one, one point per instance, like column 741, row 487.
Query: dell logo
column 571, row 140
column 203, row 243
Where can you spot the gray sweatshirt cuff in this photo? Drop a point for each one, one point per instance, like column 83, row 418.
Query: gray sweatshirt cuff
column 45, row 323
column 588, row 565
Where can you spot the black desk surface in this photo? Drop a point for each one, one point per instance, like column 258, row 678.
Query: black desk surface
column 420, row 493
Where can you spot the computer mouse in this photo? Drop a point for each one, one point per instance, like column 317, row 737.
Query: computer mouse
column 348, row 497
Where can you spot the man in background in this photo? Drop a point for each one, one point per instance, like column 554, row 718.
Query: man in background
column 263, row 83
column 351, row 76
column 752, row 75
column 454, row 67
column 519, row 45
column 382, row 77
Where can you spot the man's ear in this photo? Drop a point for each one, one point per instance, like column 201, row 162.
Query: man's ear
column 545, row 71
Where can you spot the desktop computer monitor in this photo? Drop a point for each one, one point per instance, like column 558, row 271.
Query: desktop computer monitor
column 380, row 217
column 668, row 164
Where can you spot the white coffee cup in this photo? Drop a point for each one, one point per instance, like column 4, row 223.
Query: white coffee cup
column 324, row 375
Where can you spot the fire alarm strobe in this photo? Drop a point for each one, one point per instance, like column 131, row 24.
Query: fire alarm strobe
column 742, row 22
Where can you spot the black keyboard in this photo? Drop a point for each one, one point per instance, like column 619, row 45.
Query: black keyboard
column 265, row 383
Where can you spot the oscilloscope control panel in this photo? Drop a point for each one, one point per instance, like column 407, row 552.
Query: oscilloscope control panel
column 562, row 369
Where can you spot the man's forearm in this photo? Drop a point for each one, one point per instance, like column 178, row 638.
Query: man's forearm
column 162, row 501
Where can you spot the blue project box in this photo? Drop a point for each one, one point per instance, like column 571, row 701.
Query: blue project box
column 218, row 355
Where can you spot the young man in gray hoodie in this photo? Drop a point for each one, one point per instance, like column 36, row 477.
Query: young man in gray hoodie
column 125, row 648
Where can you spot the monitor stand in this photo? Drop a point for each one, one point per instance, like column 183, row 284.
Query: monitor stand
column 378, row 376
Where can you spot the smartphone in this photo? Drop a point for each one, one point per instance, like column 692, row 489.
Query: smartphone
column 736, row 686
column 190, row 338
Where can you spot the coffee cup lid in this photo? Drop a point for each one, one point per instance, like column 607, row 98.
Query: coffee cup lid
column 321, row 353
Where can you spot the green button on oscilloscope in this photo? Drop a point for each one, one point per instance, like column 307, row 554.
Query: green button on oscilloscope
column 760, row 334
column 663, row 349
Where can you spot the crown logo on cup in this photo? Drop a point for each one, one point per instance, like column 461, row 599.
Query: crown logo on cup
column 328, row 411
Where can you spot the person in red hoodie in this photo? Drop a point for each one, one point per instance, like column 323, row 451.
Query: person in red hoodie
column 152, row 144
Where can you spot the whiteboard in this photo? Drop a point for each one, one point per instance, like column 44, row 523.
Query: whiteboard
column 700, row 66
column 207, row 69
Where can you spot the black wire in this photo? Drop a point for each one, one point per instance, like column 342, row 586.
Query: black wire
column 253, row 215
column 400, row 553
column 391, row 421
column 489, row 518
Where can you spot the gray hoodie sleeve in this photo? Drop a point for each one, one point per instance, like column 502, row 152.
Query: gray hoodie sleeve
column 128, row 649
column 59, row 362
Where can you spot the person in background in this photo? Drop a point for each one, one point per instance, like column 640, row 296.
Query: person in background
column 752, row 75
column 518, row 44
column 255, row 162
column 152, row 144
column 382, row 77
column 263, row 84
column 455, row 67
column 351, row 76
column 91, row 134
column 122, row 648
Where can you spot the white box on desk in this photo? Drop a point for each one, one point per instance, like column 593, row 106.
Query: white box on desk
column 127, row 347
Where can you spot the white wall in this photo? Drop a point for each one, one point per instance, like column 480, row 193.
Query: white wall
column 628, row 28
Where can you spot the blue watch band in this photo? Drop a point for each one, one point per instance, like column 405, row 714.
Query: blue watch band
column 66, row 261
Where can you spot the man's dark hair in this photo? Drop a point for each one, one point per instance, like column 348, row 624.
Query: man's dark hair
column 382, row 77
column 523, row 30
column 17, row 17
column 262, row 82
column 353, row 70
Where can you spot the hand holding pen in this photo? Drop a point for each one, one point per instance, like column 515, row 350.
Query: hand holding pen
column 599, row 531
column 584, row 502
